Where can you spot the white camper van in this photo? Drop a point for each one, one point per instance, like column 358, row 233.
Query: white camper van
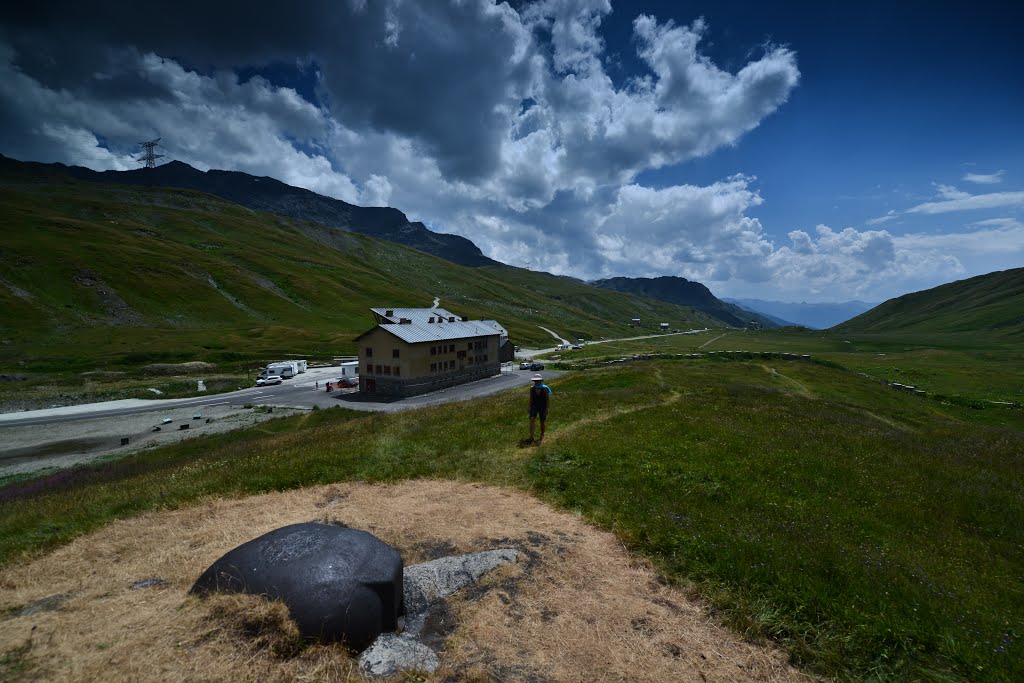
column 285, row 370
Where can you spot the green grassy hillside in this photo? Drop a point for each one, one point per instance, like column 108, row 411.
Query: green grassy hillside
column 993, row 302
column 875, row 535
column 104, row 277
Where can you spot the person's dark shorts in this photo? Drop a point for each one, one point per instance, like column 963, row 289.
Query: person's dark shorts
column 543, row 412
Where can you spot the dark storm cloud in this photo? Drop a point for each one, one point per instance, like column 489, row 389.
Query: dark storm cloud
column 446, row 76
column 204, row 34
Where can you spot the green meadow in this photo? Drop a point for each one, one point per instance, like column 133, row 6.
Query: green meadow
column 873, row 534
column 974, row 371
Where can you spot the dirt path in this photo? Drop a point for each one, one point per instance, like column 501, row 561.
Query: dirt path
column 712, row 340
column 561, row 339
column 646, row 336
column 799, row 386
column 576, row 607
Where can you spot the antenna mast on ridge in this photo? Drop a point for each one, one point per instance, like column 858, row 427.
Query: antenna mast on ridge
column 149, row 155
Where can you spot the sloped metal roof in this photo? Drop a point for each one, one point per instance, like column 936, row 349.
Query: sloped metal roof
column 496, row 325
column 419, row 329
column 414, row 314
column 414, row 333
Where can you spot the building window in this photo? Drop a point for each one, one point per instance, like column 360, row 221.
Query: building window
column 394, row 353
column 470, row 360
column 387, row 369
column 469, row 346
column 379, row 371
column 398, row 371
column 369, row 352
column 433, row 367
column 369, row 370
column 433, row 350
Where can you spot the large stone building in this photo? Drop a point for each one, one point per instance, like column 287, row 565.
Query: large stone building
column 416, row 350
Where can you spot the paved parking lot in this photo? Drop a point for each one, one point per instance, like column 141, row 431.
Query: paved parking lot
column 461, row 392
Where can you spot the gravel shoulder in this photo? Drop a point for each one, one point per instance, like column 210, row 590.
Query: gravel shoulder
column 34, row 448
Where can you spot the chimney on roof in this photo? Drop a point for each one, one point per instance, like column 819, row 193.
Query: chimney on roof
column 389, row 313
column 465, row 318
column 404, row 321
column 431, row 319
column 451, row 319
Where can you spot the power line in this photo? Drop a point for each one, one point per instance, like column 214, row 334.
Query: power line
column 149, row 155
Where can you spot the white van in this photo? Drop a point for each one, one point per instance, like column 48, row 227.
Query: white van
column 284, row 370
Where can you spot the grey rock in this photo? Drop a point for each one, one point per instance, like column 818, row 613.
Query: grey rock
column 431, row 581
column 147, row 583
column 50, row 603
column 425, row 587
column 391, row 654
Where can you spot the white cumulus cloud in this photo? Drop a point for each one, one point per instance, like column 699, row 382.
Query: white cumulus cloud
column 984, row 178
column 832, row 265
column 963, row 201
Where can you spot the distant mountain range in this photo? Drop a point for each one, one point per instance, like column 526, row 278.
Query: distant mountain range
column 273, row 196
column 992, row 303
column 680, row 291
column 815, row 316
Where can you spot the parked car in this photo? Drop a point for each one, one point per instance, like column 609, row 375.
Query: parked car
column 269, row 379
column 525, row 365
column 347, row 382
column 577, row 346
column 533, row 366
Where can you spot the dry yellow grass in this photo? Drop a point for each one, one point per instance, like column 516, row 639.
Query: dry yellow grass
column 576, row 607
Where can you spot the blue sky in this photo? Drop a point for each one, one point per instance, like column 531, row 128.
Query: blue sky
column 800, row 151
column 893, row 99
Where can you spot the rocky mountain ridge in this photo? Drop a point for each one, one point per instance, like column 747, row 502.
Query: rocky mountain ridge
column 678, row 290
column 273, row 196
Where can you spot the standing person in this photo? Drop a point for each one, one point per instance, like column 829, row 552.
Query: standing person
column 539, row 398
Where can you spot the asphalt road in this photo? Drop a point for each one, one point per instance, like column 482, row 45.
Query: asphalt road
column 526, row 354
column 299, row 392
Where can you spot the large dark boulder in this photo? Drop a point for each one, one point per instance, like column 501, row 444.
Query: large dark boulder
column 338, row 583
